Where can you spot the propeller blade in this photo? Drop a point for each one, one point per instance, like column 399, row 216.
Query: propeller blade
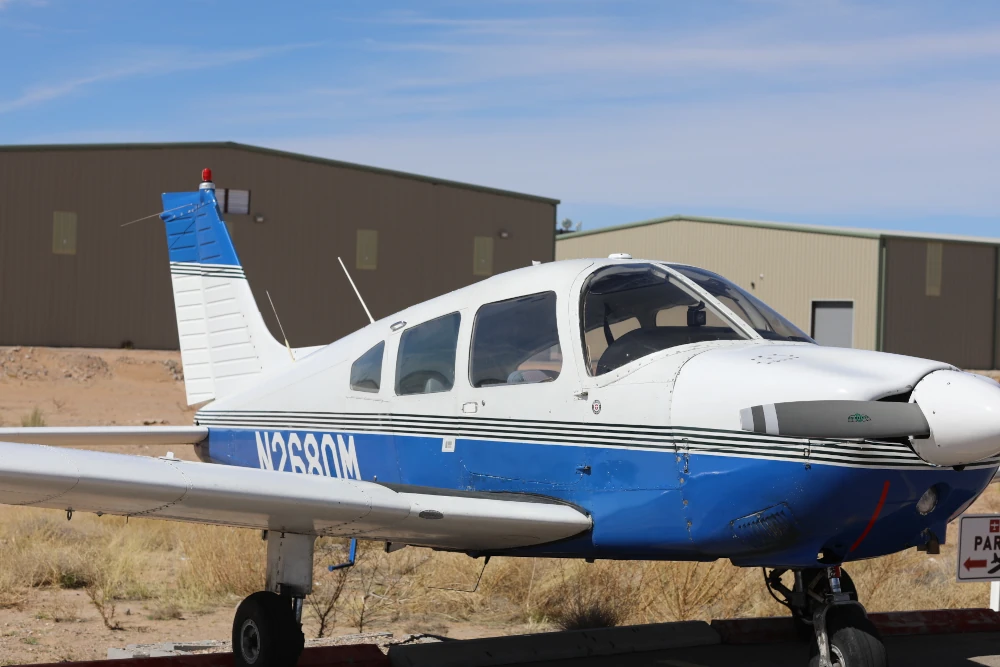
column 848, row 420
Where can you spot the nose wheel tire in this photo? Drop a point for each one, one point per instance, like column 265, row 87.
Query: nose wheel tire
column 265, row 632
column 854, row 641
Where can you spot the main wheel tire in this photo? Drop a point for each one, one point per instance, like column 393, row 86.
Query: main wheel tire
column 854, row 641
column 265, row 633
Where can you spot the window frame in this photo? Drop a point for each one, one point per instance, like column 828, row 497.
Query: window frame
column 472, row 341
column 365, row 239
column 735, row 323
column 933, row 268
column 740, row 322
column 65, row 232
column 399, row 354
column 381, row 369
column 485, row 245
column 843, row 304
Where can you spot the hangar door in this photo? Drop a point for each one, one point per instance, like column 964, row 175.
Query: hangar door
column 940, row 301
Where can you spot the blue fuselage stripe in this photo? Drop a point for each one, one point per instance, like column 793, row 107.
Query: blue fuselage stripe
column 654, row 502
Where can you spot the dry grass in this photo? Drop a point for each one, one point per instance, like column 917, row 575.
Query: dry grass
column 34, row 419
column 176, row 568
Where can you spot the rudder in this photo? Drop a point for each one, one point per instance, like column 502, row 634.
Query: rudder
column 223, row 339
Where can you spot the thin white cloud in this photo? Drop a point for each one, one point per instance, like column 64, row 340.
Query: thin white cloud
column 157, row 64
column 876, row 152
column 639, row 54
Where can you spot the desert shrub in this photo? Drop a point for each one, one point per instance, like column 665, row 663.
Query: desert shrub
column 595, row 595
column 380, row 583
column 34, row 419
column 164, row 610
column 681, row 591
column 328, row 587
column 221, row 562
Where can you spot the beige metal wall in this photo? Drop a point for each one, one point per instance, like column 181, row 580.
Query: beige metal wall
column 116, row 288
column 786, row 269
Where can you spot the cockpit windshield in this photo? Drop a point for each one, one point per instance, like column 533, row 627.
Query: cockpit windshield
column 629, row 311
column 761, row 317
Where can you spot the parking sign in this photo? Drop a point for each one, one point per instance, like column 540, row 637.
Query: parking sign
column 979, row 548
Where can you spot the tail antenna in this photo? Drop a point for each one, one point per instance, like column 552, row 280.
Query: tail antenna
column 367, row 312
column 275, row 311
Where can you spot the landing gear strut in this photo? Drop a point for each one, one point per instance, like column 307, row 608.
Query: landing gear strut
column 824, row 604
column 267, row 629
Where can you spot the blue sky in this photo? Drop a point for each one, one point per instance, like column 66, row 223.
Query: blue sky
column 875, row 114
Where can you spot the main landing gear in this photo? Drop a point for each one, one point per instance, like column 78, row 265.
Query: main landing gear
column 267, row 629
column 824, row 604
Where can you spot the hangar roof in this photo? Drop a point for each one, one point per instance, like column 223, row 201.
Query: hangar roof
column 275, row 153
column 792, row 227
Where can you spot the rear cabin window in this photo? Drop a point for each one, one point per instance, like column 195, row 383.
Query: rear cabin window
column 633, row 310
column 426, row 360
column 516, row 342
column 366, row 372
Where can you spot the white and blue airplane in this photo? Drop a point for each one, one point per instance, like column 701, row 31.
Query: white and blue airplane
column 594, row 409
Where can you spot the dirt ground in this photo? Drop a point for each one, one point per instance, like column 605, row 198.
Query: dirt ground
column 62, row 625
column 86, row 387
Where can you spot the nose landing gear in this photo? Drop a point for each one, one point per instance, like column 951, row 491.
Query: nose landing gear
column 824, row 604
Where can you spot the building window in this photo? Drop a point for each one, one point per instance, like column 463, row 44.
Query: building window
column 366, row 372
column 935, row 251
column 236, row 202
column 367, row 249
column 833, row 323
column 64, row 233
column 426, row 360
column 482, row 256
column 516, row 342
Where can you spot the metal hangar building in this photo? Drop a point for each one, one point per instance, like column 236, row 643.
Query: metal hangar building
column 72, row 275
column 926, row 295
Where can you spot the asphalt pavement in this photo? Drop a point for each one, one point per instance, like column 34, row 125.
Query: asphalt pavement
column 974, row 649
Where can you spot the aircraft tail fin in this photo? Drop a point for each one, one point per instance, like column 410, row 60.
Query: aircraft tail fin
column 223, row 338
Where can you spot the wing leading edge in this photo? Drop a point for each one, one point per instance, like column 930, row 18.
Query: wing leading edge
column 86, row 481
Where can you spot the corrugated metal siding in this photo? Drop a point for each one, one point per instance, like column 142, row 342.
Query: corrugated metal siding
column 117, row 286
column 797, row 267
column 955, row 327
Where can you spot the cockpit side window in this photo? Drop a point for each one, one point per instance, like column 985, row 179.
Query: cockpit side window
column 516, row 342
column 426, row 360
column 633, row 310
column 762, row 318
column 366, row 372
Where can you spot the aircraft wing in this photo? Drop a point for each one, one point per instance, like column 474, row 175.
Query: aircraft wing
column 168, row 488
column 106, row 435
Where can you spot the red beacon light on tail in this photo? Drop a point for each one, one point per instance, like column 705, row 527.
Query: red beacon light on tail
column 206, row 180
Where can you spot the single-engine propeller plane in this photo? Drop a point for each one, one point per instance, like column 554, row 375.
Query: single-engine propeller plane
column 595, row 409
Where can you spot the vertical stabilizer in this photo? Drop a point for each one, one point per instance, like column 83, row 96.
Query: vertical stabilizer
column 225, row 344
